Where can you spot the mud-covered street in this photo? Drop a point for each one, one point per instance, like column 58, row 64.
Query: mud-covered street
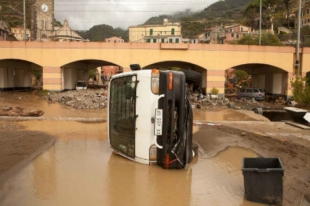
column 59, row 161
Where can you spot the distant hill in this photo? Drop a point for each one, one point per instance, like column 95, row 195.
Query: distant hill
column 230, row 9
column 193, row 23
column 101, row 32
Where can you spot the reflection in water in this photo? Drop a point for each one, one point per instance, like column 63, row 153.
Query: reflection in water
column 220, row 115
column 86, row 172
column 44, row 175
column 81, row 169
column 136, row 184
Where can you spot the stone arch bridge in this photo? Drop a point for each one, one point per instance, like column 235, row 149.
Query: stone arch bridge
column 64, row 62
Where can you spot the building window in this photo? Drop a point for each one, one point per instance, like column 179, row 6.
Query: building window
column 151, row 32
column 232, row 35
column 43, row 24
column 307, row 11
column 172, row 31
column 162, row 40
column 154, row 40
column 177, row 40
column 237, row 36
column 241, row 28
column 148, row 41
column 170, row 40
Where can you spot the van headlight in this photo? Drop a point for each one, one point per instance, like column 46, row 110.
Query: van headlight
column 155, row 81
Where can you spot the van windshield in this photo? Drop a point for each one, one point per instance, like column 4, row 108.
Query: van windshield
column 122, row 114
column 81, row 84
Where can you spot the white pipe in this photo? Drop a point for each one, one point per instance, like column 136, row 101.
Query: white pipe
column 24, row 20
column 298, row 39
column 260, row 22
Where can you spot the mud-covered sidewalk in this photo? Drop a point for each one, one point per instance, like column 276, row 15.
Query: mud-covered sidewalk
column 19, row 146
column 267, row 139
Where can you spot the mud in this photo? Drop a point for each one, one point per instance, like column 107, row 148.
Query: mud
column 17, row 144
column 293, row 151
column 30, row 102
column 81, row 169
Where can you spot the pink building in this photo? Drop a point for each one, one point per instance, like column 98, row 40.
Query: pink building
column 109, row 71
column 235, row 32
column 115, row 39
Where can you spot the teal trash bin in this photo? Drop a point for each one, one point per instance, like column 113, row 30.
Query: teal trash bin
column 263, row 180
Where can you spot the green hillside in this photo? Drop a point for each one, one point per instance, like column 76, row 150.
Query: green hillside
column 101, row 32
column 12, row 12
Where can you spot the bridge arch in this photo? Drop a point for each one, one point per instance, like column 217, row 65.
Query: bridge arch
column 82, row 69
column 273, row 79
column 18, row 74
column 215, row 59
column 180, row 65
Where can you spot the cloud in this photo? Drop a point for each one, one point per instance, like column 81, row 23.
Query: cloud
column 84, row 14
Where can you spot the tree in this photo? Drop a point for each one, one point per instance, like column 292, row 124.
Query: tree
column 241, row 75
column 191, row 28
column 247, row 40
column 288, row 4
column 305, row 35
column 301, row 90
column 266, row 40
column 57, row 23
column 251, row 13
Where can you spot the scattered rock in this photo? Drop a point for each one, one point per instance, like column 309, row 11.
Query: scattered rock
column 82, row 99
column 19, row 111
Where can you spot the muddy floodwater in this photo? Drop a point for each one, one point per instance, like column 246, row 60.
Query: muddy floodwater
column 81, row 169
column 54, row 109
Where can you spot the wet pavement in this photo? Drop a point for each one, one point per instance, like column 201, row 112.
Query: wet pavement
column 81, row 169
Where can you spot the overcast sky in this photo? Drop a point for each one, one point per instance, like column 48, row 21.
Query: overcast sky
column 84, row 14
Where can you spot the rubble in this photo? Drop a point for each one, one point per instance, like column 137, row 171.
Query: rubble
column 19, row 111
column 81, row 99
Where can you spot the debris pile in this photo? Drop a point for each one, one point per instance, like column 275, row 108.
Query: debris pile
column 81, row 99
column 19, row 111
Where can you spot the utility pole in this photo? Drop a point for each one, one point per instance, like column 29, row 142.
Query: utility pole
column 25, row 20
column 297, row 64
column 260, row 22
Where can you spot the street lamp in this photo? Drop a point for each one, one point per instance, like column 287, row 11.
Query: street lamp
column 24, row 20
column 260, row 22
column 297, row 65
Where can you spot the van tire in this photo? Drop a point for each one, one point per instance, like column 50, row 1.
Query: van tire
column 192, row 76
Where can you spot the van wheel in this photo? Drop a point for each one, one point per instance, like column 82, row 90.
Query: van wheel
column 192, row 76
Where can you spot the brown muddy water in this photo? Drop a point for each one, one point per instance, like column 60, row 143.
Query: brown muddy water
column 81, row 169
column 30, row 102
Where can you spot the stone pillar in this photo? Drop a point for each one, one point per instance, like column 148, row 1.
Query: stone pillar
column 288, row 89
column 215, row 78
column 52, row 78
